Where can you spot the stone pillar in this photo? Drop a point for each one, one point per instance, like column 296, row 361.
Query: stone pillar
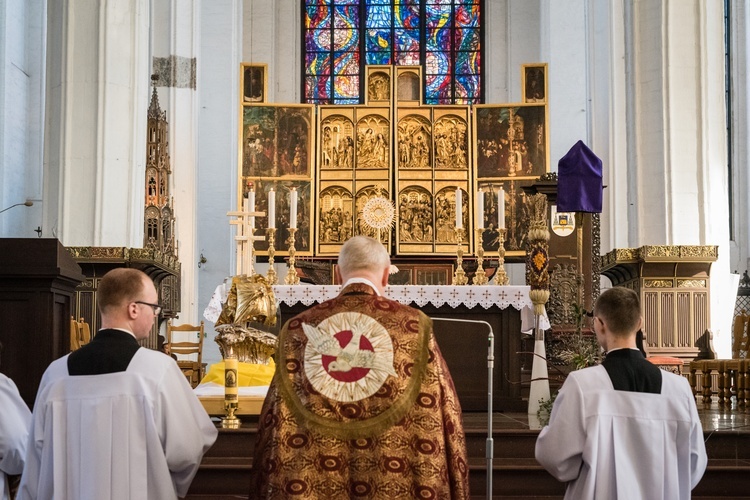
column 677, row 191
column 95, row 124
column 174, row 61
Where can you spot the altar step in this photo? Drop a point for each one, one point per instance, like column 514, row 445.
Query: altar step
column 225, row 471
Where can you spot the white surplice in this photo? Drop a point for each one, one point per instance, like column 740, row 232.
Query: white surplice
column 15, row 421
column 623, row 445
column 133, row 435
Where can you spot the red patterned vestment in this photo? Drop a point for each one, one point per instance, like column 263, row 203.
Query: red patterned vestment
column 404, row 440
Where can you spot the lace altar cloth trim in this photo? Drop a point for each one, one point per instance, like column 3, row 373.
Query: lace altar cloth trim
column 437, row 295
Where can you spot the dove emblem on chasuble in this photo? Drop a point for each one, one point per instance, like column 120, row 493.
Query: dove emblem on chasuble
column 348, row 356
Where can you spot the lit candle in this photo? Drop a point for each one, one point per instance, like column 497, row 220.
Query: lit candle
column 459, row 219
column 251, row 206
column 501, row 208
column 271, row 209
column 480, row 209
column 293, row 209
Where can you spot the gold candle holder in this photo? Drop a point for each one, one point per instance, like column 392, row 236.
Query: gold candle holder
column 291, row 275
column 231, row 398
column 459, row 277
column 500, row 278
column 480, row 277
column 271, row 275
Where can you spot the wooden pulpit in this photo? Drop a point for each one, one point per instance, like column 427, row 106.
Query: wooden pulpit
column 38, row 278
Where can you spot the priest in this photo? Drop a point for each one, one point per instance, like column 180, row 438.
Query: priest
column 362, row 404
column 113, row 420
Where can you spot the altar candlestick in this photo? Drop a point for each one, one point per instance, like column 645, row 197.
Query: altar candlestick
column 480, row 209
column 501, row 208
column 293, row 209
column 459, row 219
column 271, row 209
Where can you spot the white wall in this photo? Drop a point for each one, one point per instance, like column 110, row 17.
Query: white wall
column 22, row 49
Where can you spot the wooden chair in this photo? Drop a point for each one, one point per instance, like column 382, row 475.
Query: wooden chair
column 189, row 351
column 80, row 333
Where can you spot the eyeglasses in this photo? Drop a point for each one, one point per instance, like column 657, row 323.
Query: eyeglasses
column 155, row 307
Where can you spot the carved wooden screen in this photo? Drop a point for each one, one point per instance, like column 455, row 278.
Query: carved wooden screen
column 432, row 159
column 354, row 161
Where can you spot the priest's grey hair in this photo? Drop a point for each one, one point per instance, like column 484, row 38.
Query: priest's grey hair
column 362, row 253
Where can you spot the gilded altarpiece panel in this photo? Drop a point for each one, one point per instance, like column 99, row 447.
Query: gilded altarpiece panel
column 354, row 161
column 277, row 152
column 432, row 159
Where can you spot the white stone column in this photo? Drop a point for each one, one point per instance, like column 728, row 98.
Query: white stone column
column 95, row 126
column 740, row 51
column 22, row 46
column 217, row 138
column 678, row 191
column 175, row 44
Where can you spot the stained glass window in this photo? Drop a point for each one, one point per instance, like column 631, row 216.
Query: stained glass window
column 443, row 36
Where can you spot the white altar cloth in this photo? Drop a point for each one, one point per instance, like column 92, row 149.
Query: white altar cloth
column 437, row 295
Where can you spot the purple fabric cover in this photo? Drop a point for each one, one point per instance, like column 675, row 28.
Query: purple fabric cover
column 579, row 181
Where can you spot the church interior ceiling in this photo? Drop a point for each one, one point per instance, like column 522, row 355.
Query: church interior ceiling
column 339, row 157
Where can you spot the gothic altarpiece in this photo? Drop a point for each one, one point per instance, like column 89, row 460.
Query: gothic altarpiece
column 339, row 157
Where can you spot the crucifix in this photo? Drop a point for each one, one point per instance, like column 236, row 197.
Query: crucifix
column 245, row 237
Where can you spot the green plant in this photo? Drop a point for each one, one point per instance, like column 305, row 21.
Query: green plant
column 545, row 409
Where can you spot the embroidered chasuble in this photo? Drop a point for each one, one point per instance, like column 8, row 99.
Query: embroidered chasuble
column 361, row 406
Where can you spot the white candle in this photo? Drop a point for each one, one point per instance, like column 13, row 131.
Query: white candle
column 251, row 206
column 293, row 209
column 459, row 219
column 501, row 208
column 480, row 209
column 271, row 209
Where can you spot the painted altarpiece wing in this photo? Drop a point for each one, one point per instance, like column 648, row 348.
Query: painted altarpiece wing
column 278, row 152
column 511, row 144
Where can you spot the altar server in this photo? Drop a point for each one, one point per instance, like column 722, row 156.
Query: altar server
column 112, row 420
column 624, row 429
column 362, row 404
column 15, row 420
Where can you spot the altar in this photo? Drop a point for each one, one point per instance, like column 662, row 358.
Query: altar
column 506, row 309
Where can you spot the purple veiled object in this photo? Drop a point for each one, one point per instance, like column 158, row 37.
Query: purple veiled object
column 579, row 181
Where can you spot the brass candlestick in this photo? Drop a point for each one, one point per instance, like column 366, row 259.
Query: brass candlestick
column 459, row 277
column 271, row 275
column 500, row 278
column 480, row 277
column 231, row 399
column 291, row 275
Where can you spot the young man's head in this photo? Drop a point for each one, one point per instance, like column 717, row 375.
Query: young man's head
column 127, row 299
column 617, row 317
column 364, row 257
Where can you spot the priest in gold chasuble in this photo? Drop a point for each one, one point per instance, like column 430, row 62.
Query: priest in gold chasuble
column 362, row 404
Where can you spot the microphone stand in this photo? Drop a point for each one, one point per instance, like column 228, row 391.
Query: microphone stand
column 490, row 443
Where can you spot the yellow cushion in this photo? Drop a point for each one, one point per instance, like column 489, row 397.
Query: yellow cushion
column 249, row 374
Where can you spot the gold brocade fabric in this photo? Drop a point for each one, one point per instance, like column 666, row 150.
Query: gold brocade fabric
column 406, row 440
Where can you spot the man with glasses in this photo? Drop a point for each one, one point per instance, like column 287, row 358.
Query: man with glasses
column 113, row 420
